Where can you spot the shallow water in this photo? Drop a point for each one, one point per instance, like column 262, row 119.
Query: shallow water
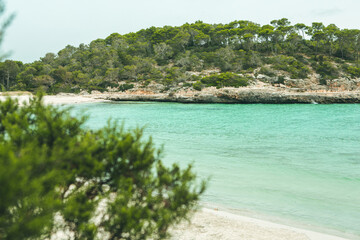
column 299, row 163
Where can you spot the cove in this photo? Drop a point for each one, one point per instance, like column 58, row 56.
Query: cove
column 296, row 163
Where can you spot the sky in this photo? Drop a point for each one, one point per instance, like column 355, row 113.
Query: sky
column 43, row 26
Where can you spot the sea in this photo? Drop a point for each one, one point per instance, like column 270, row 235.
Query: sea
column 295, row 164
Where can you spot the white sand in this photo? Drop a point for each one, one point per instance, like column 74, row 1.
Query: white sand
column 70, row 99
column 57, row 99
column 207, row 224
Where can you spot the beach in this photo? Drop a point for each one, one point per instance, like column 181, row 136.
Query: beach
column 207, row 223
column 65, row 98
column 212, row 224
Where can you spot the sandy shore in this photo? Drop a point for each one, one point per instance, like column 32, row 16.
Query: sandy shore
column 207, row 224
column 56, row 99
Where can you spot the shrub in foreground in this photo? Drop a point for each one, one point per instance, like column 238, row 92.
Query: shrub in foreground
column 109, row 183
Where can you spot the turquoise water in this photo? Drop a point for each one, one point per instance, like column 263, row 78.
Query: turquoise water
column 292, row 163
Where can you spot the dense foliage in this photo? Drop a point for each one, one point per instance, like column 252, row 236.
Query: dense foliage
column 169, row 55
column 224, row 80
column 58, row 176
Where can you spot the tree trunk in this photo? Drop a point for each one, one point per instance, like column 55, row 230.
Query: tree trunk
column 7, row 80
column 342, row 50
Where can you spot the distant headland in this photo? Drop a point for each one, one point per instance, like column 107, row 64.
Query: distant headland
column 237, row 62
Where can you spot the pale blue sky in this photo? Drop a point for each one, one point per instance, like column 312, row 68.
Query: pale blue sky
column 43, row 26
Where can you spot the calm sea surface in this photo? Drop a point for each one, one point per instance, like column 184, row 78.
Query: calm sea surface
column 298, row 164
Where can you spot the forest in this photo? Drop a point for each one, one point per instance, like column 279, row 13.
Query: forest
column 180, row 55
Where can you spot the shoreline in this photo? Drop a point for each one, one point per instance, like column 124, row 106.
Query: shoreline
column 55, row 99
column 235, row 96
column 208, row 95
column 211, row 224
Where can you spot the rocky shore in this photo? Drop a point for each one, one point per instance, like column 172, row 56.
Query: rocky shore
column 259, row 91
column 234, row 95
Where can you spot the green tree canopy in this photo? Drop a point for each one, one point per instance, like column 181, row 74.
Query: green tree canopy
column 57, row 175
column 144, row 56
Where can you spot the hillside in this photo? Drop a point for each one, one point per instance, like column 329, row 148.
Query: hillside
column 199, row 57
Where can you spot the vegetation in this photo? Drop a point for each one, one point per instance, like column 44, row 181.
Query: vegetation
column 227, row 79
column 170, row 55
column 57, row 175
column 291, row 65
column 353, row 71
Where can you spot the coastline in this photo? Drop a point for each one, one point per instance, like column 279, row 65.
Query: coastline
column 235, row 95
column 206, row 223
column 229, row 95
column 211, row 224
column 63, row 98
